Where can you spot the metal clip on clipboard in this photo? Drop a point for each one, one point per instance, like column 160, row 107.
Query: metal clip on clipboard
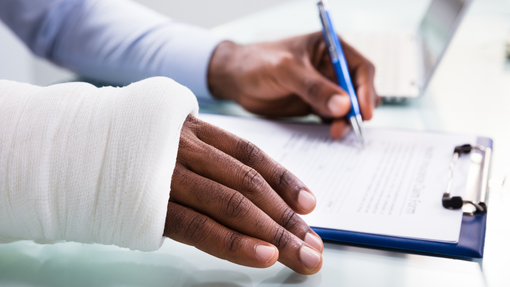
column 457, row 202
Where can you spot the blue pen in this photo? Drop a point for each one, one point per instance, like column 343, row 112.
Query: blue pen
column 341, row 69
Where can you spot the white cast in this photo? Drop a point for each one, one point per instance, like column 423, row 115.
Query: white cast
column 90, row 165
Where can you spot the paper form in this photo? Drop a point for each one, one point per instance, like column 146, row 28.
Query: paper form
column 392, row 187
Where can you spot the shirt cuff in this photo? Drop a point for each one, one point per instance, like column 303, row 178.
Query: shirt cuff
column 189, row 57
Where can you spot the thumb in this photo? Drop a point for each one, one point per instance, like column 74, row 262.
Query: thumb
column 325, row 96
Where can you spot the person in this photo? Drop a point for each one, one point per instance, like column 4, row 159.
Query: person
column 93, row 165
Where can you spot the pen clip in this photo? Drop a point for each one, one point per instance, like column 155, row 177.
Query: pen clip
column 328, row 35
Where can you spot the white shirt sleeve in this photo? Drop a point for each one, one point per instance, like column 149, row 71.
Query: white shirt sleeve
column 90, row 165
column 116, row 41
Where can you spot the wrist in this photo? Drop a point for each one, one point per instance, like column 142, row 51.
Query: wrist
column 221, row 74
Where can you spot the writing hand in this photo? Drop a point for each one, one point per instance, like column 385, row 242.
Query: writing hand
column 291, row 77
column 229, row 199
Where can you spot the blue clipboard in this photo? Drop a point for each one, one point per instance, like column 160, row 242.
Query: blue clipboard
column 472, row 235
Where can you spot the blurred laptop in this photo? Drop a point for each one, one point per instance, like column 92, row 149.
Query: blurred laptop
column 405, row 62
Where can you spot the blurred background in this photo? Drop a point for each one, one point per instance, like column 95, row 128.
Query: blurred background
column 17, row 63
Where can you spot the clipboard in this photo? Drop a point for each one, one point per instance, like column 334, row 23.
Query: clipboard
column 285, row 141
column 472, row 235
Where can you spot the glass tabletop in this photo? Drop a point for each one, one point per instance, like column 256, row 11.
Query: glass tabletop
column 469, row 94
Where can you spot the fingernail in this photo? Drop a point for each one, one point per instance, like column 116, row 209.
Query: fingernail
column 264, row 252
column 309, row 257
column 337, row 105
column 314, row 241
column 306, row 200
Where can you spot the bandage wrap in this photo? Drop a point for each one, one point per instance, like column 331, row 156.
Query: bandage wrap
column 90, row 165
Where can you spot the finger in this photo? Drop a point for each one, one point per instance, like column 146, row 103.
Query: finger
column 363, row 73
column 321, row 59
column 290, row 106
column 378, row 101
column 364, row 81
column 246, row 180
column 322, row 94
column 288, row 186
column 232, row 210
column 340, row 128
column 361, row 70
column 192, row 228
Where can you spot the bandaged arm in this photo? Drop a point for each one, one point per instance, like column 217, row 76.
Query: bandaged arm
column 90, row 165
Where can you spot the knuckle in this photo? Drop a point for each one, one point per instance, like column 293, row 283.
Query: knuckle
column 234, row 242
column 187, row 143
column 191, row 119
column 190, row 146
column 285, row 60
column 251, row 180
column 288, row 219
column 186, row 226
column 280, row 238
column 249, row 153
column 283, row 178
column 312, row 90
column 192, row 123
column 237, row 206
column 196, row 229
column 293, row 223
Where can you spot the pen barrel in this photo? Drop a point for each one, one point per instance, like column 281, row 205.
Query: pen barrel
column 346, row 84
column 338, row 59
